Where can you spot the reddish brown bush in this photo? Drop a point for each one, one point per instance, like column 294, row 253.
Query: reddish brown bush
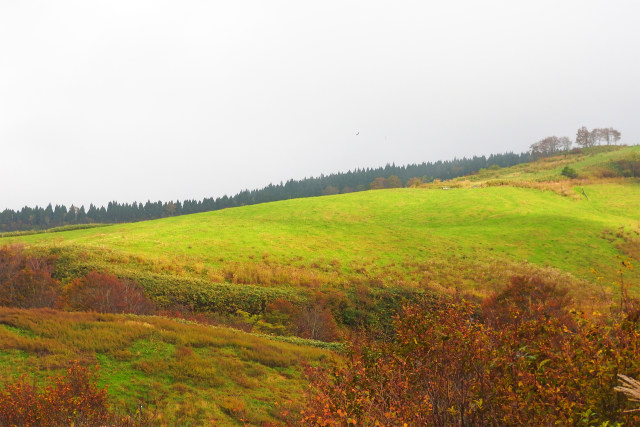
column 105, row 293
column 526, row 299
column 315, row 320
column 534, row 365
column 72, row 399
column 25, row 280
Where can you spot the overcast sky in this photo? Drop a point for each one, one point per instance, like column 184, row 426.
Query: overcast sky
column 165, row 100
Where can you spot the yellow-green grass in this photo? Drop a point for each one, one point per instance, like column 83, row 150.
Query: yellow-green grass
column 385, row 236
column 191, row 374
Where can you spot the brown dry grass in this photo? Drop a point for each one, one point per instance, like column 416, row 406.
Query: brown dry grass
column 630, row 388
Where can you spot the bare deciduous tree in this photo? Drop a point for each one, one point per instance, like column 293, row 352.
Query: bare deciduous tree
column 583, row 137
column 550, row 145
column 565, row 143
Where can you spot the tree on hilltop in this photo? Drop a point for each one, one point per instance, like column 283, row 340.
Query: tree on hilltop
column 394, row 182
column 550, row 145
column 583, row 137
column 610, row 135
column 565, row 143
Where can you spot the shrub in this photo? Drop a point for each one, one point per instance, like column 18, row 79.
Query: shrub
column 629, row 167
column 105, row 293
column 25, row 280
column 72, row 399
column 527, row 299
column 519, row 359
column 316, row 322
column 569, row 172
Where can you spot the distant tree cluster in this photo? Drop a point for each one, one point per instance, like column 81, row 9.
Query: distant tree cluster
column 39, row 218
column 584, row 138
column 551, row 145
column 380, row 183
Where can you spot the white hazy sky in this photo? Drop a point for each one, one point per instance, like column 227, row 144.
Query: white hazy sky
column 165, row 100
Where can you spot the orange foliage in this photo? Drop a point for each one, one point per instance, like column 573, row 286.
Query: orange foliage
column 73, row 399
column 25, row 281
column 527, row 299
column 106, row 293
column 521, row 359
column 315, row 320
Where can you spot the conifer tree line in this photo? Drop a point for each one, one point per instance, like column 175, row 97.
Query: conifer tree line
column 38, row 218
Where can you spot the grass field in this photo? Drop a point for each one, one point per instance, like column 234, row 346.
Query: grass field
column 383, row 234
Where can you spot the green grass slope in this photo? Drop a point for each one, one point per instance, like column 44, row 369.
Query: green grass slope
column 594, row 162
column 414, row 237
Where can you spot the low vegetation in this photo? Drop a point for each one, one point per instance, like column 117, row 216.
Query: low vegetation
column 521, row 357
column 182, row 373
column 72, row 399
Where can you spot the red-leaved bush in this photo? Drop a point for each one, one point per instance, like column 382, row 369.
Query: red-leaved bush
column 71, row 399
column 522, row 358
column 105, row 293
column 25, row 280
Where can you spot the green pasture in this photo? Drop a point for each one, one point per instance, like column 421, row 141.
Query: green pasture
column 384, row 232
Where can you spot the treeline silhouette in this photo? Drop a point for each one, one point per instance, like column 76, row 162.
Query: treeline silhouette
column 39, row 218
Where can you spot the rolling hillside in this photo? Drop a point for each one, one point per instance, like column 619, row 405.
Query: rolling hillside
column 343, row 262
column 415, row 237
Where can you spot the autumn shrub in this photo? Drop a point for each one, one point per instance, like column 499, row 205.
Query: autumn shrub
column 71, row 399
column 278, row 318
column 527, row 298
column 25, row 280
column 411, row 380
column 105, row 293
column 315, row 321
column 629, row 167
column 569, row 172
column 521, row 358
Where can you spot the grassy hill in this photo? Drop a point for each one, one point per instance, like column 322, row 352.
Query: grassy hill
column 415, row 237
column 592, row 163
column 358, row 255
